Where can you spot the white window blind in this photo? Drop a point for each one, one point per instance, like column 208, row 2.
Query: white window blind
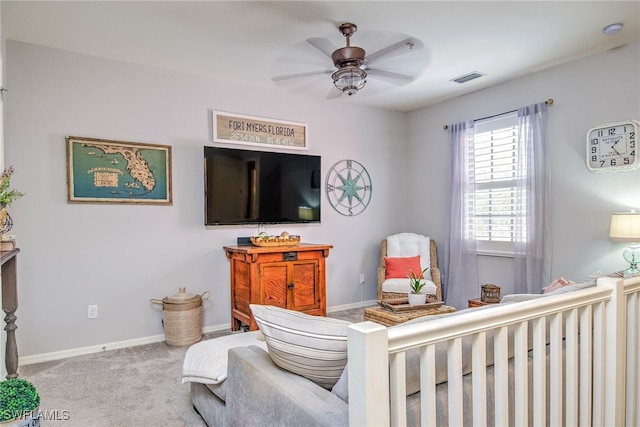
column 496, row 157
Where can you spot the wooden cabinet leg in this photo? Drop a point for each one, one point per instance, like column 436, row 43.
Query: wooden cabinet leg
column 235, row 324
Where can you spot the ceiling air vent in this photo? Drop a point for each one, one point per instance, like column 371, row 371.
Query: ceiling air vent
column 467, row 77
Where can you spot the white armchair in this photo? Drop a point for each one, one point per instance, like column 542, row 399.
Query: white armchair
column 408, row 245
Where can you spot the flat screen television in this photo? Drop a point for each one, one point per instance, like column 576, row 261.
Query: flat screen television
column 260, row 187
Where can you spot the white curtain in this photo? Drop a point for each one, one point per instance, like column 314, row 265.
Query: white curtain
column 532, row 269
column 461, row 267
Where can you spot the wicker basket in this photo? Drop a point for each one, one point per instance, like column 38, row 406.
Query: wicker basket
column 182, row 317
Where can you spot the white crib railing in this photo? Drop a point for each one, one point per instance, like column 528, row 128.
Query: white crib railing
column 588, row 338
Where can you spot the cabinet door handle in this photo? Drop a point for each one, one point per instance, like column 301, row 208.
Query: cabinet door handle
column 290, row 286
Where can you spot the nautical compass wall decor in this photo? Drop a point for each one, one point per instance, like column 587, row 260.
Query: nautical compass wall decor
column 348, row 187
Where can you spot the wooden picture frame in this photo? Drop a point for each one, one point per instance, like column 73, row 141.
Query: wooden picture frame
column 106, row 171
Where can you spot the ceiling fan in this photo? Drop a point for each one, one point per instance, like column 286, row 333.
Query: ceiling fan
column 355, row 67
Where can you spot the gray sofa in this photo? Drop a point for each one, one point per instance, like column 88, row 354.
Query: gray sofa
column 257, row 392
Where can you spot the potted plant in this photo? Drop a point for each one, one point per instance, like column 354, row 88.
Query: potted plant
column 7, row 197
column 19, row 402
column 416, row 283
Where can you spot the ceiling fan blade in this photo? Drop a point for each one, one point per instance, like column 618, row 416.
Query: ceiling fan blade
column 400, row 48
column 322, row 44
column 298, row 75
column 390, row 77
column 291, row 60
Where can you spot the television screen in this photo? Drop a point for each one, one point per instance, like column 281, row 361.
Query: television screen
column 259, row 187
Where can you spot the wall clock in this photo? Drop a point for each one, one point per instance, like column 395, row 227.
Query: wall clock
column 348, row 187
column 611, row 147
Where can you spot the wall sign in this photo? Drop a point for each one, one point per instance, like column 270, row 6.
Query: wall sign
column 240, row 129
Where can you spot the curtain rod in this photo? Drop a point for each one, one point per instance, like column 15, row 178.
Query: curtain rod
column 548, row 102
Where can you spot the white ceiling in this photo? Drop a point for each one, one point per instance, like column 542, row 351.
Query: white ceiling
column 251, row 41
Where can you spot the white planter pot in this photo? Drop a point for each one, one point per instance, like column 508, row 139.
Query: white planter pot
column 417, row 299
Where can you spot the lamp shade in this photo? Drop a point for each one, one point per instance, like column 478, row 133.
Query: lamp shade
column 625, row 226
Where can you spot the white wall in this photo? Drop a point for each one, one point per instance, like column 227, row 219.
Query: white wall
column 597, row 89
column 120, row 256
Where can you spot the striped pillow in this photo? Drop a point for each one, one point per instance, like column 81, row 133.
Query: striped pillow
column 314, row 347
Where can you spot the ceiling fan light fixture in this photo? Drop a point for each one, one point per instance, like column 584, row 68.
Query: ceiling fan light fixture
column 349, row 79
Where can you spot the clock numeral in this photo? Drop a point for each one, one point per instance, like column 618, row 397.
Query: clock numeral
column 594, row 141
column 594, row 150
column 632, row 135
column 601, row 163
column 594, row 158
column 613, row 162
column 600, row 132
column 626, row 161
column 612, row 131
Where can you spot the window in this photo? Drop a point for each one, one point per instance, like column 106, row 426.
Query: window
column 496, row 168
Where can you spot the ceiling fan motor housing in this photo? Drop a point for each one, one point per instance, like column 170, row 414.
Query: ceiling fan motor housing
column 349, row 55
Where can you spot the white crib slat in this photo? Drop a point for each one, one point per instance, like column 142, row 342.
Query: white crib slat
column 572, row 366
column 598, row 364
column 428, row 385
column 555, row 370
column 539, row 372
column 586, row 379
column 521, row 392
column 454, row 369
column 636, row 379
column 631, row 386
column 479, row 378
column 632, row 358
column 501, row 375
column 398, row 389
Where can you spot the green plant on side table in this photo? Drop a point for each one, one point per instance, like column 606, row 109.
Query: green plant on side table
column 416, row 283
column 19, row 402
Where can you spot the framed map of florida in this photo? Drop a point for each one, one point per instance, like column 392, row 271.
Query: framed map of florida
column 103, row 171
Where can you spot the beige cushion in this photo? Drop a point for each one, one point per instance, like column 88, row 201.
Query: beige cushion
column 402, row 286
column 314, row 347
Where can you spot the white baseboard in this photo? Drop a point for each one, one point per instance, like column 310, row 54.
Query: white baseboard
column 352, row 305
column 81, row 351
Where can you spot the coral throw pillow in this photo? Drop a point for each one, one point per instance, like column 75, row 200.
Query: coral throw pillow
column 560, row 282
column 398, row 268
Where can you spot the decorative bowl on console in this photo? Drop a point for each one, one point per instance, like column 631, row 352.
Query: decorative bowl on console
column 284, row 239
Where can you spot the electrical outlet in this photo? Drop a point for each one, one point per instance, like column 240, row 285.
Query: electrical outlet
column 93, row 312
column 362, row 278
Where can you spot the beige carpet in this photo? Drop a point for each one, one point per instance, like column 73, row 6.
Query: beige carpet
column 136, row 386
